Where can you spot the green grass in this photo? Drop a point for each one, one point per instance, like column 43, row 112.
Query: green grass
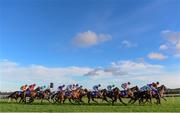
column 171, row 105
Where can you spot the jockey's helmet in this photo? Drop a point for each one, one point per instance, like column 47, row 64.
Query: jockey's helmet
column 113, row 85
column 99, row 85
column 129, row 83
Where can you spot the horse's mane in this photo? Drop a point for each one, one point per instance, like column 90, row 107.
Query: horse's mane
column 47, row 90
column 161, row 87
column 116, row 88
column 37, row 89
column 134, row 88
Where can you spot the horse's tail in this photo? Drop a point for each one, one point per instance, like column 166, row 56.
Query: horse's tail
column 11, row 95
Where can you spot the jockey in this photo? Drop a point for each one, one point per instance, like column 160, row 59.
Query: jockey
column 23, row 88
column 96, row 87
column 109, row 87
column 80, row 87
column 69, row 88
column 154, row 86
column 60, row 88
column 31, row 87
column 42, row 88
column 125, row 86
column 75, row 86
column 149, row 87
column 145, row 88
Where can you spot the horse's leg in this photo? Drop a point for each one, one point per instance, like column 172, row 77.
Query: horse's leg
column 141, row 100
column 105, row 99
column 115, row 99
column 89, row 98
column 147, row 99
column 94, row 100
column 135, row 99
column 64, row 100
column 150, row 100
column 159, row 99
column 41, row 100
column 20, row 100
column 130, row 100
column 60, row 100
column 70, row 101
column 82, row 101
column 16, row 99
column 120, row 99
column 164, row 98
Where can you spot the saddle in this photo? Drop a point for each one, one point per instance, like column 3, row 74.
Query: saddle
column 19, row 92
column 95, row 93
column 154, row 92
column 110, row 92
column 123, row 93
column 68, row 93
column 28, row 92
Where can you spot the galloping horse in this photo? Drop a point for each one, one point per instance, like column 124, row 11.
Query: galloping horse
column 157, row 96
column 101, row 94
column 15, row 95
column 148, row 95
column 130, row 92
column 75, row 95
column 43, row 95
column 78, row 94
column 30, row 94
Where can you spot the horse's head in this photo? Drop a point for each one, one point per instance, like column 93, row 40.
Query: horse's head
column 85, row 90
column 162, row 87
column 37, row 89
column 162, row 90
column 103, row 91
column 116, row 90
column 135, row 88
column 82, row 91
column 47, row 90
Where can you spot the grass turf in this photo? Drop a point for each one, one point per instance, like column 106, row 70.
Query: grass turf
column 171, row 105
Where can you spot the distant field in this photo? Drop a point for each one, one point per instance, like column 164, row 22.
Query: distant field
column 171, row 105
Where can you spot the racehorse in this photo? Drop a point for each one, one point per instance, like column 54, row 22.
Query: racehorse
column 101, row 94
column 157, row 95
column 75, row 95
column 148, row 95
column 78, row 94
column 129, row 93
column 43, row 95
column 116, row 95
column 123, row 94
column 15, row 95
column 28, row 94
